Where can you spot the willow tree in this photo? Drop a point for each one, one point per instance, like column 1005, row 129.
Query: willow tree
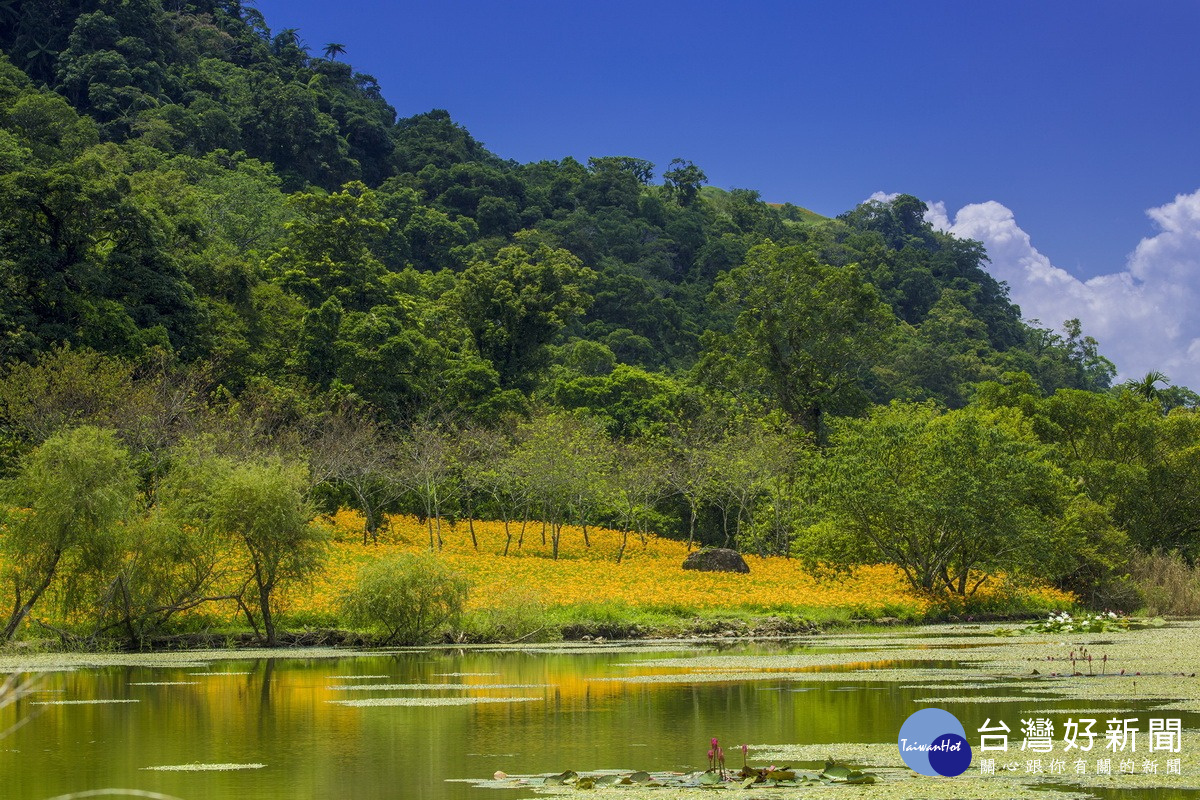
column 259, row 509
column 68, row 499
column 263, row 505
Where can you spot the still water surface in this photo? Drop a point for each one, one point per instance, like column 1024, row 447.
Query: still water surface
column 553, row 709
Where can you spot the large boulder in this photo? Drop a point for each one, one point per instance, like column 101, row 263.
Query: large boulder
column 716, row 559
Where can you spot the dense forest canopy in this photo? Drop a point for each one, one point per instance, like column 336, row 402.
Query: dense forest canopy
column 212, row 232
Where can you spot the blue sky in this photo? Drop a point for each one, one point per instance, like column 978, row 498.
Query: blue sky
column 1061, row 122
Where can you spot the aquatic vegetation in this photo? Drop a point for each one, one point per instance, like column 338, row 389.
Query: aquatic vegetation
column 429, row 701
column 432, row 687
column 104, row 702
column 203, row 767
column 715, row 777
column 1063, row 622
column 164, row 683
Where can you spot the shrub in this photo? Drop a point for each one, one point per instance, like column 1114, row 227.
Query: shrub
column 520, row 618
column 405, row 598
column 1168, row 584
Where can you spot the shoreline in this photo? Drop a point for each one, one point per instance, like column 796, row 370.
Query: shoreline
column 767, row 627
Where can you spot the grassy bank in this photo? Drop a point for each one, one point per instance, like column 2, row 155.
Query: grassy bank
column 619, row 586
column 608, row 585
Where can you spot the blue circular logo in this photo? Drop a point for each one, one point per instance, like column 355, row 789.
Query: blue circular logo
column 933, row 742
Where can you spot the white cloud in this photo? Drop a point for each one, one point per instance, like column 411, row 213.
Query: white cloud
column 1144, row 316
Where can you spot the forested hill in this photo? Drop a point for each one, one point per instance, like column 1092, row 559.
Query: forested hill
column 178, row 178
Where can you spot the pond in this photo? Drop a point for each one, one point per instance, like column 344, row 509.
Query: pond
column 419, row 723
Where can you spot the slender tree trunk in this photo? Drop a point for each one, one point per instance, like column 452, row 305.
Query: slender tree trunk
column 691, row 525
column 524, row 521
column 471, row 525
column 543, row 533
column 507, row 533
column 586, row 541
column 127, row 606
column 624, row 541
column 555, row 532
column 366, row 509
column 264, row 601
column 22, row 610
column 437, row 518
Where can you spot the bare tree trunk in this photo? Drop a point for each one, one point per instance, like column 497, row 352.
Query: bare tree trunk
column 624, row 541
column 507, row 533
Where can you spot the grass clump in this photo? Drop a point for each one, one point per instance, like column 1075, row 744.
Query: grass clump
column 521, row 617
column 1169, row 585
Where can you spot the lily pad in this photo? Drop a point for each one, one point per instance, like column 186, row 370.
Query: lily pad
column 560, row 779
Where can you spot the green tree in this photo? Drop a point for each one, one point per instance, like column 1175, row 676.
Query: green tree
column 683, row 181
column 261, row 506
column 64, row 387
column 329, row 248
column 515, row 304
column 636, row 485
column 1146, row 387
column 692, row 468
column 165, row 567
column 564, row 461
column 805, row 333
column 950, row 498
column 67, row 501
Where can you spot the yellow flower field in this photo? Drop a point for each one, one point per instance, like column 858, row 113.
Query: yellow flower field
column 648, row 577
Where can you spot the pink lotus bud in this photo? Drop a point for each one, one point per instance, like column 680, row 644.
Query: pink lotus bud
column 714, row 743
column 711, row 754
